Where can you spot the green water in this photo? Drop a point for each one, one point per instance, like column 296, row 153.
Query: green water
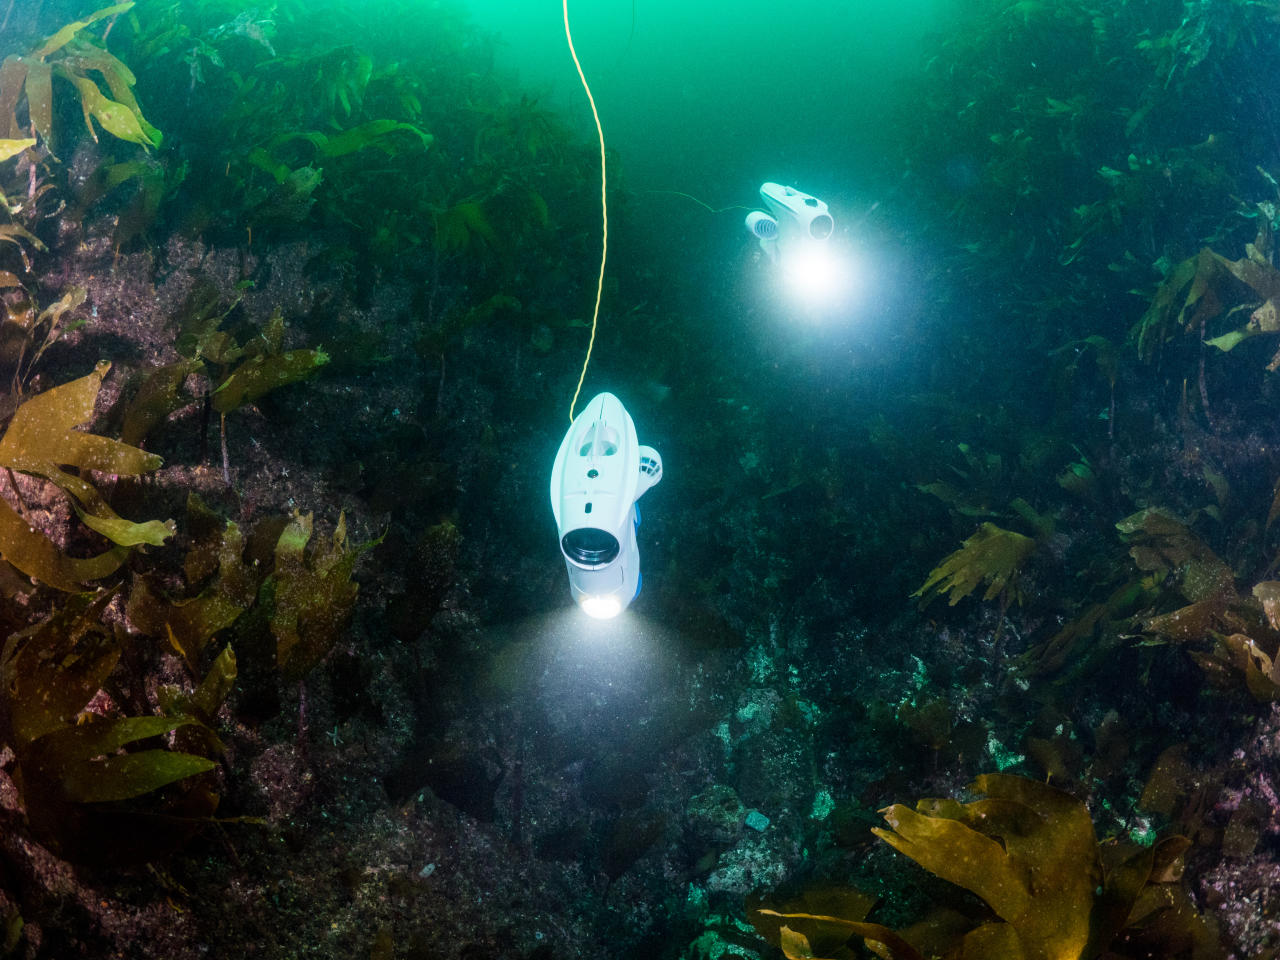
column 713, row 98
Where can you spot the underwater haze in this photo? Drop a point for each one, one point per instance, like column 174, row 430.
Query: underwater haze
column 714, row 98
column 873, row 555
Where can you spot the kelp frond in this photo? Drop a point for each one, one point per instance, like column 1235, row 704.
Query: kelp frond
column 1163, row 546
column 993, row 556
column 88, row 796
column 69, row 57
column 1207, row 286
column 41, row 440
column 1029, row 851
column 313, row 594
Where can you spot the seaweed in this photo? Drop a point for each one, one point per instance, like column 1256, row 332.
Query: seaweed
column 18, row 237
column 152, row 181
column 91, row 795
column 1029, row 852
column 426, row 153
column 1082, row 641
column 1087, row 136
column 41, row 440
column 103, row 87
column 993, row 556
column 1161, row 545
column 1245, row 645
column 1201, row 289
column 312, row 595
column 242, row 372
column 303, row 591
column 68, row 56
column 10, row 148
column 27, row 332
column 238, row 373
column 298, row 131
column 225, row 592
column 264, row 367
column 1242, row 630
column 155, row 398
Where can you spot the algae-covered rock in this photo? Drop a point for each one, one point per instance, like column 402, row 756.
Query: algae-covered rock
column 716, row 814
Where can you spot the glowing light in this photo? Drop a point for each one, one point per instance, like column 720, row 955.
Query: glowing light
column 601, row 608
column 815, row 274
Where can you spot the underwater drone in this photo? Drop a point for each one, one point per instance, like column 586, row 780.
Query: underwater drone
column 601, row 470
column 794, row 220
column 794, row 234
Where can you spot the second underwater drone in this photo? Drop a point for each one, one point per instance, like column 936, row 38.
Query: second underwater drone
column 795, row 233
column 795, row 220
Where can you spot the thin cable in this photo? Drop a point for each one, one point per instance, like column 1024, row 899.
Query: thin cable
column 705, row 206
column 604, row 212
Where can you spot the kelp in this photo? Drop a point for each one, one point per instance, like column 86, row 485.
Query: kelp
column 1178, row 562
column 513, row 129
column 803, row 930
column 1040, row 880
column 993, row 556
column 982, row 483
column 1242, row 631
column 303, row 590
column 1246, row 649
column 151, row 182
column 797, row 933
column 199, row 321
column 238, row 372
column 155, row 398
column 10, row 148
column 312, row 594
column 190, row 623
column 299, row 173
column 465, row 227
column 341, row 78
column 222, row 584
column 1016, row 108
column 29, row 95
column 66, row 55
column 20, row 238
column 371, row 134
column 318, row 88
column 1185, row 299
column 13, row 925
column 26, row 332
column 1240, row 655
column 207, row 699
column 457, row 322
column 1163, row 546
column 1029, row 851
column 309, row 124
column 267, row 370
column 344, row 137
column 41, row 440
column 1208, row 286
column 97, row 789
column 241, row 372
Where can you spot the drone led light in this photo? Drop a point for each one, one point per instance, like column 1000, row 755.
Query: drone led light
column 813, row 272
column 795, row 233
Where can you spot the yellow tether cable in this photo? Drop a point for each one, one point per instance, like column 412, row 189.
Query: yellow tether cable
column 604, row 212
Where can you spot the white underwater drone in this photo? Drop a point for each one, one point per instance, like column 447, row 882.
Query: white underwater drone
column 794, row 219
column 600, row 472
column 794, row 234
